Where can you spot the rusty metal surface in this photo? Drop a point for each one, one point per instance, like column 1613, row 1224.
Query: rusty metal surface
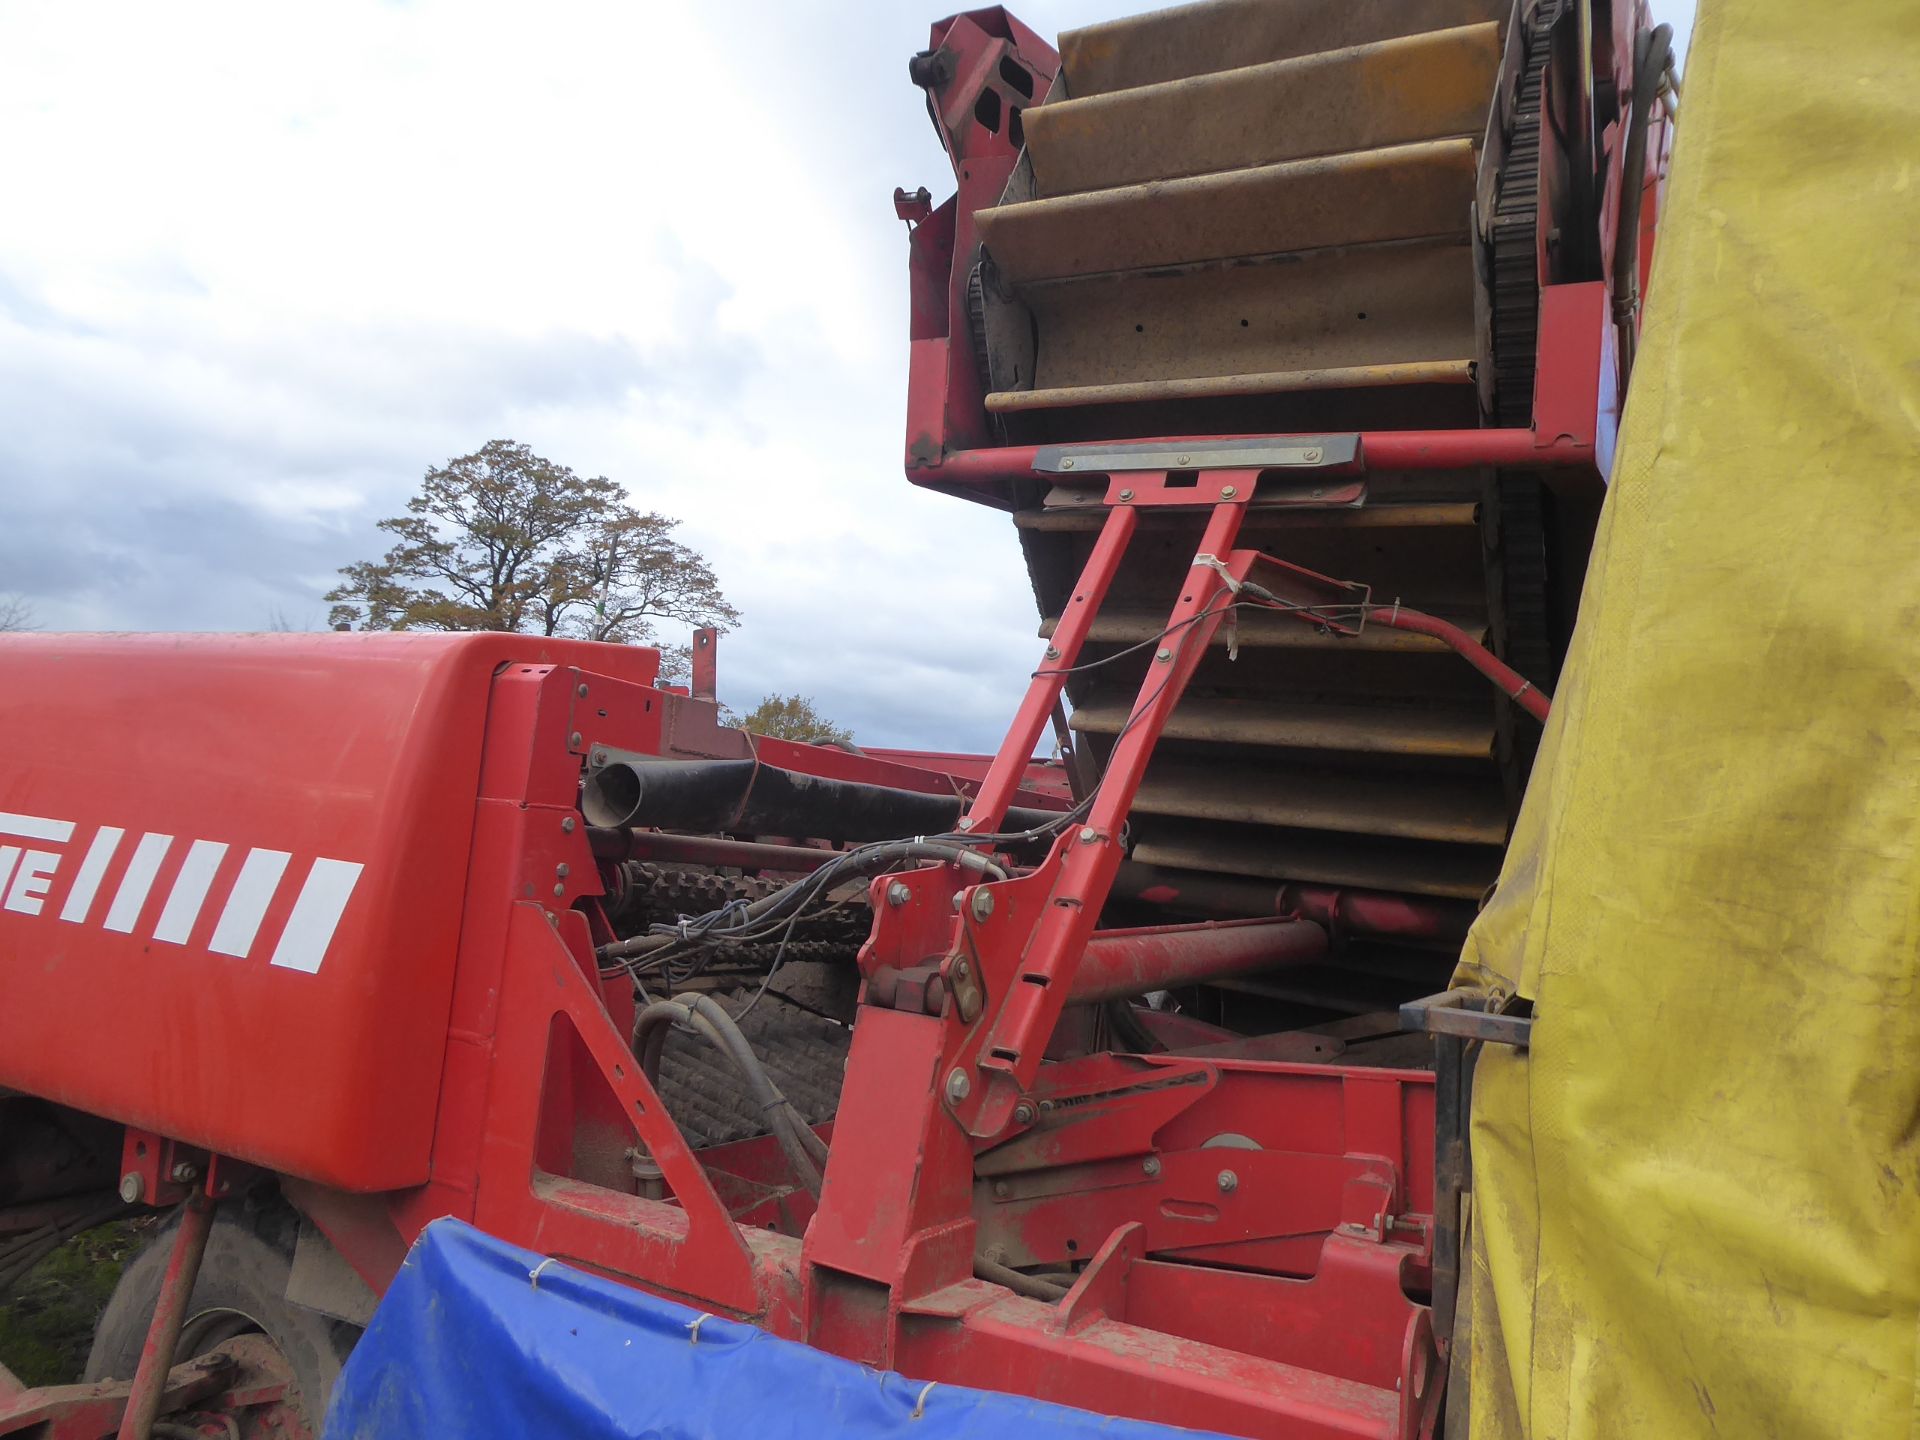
column 1403, row 192
column 1369, row 312
column 1393, row 92
column 1457, row 872
column 1188, row 40
column 1464, row 733
column 1311, row 796
column 1275, row 382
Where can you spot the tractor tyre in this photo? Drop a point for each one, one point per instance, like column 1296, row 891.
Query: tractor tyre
column 241, row 1290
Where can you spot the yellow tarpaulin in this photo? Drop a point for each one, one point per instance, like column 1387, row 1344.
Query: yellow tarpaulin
column 1696, row 1204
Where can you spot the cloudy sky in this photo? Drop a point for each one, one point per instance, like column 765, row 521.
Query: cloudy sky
column 265, row 264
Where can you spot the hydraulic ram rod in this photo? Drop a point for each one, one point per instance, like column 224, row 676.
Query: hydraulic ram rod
column 1119, row 963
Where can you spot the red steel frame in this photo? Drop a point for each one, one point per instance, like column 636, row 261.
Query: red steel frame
column 1326, row 1225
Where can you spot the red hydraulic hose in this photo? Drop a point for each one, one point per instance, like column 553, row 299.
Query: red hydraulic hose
column 1397, row 617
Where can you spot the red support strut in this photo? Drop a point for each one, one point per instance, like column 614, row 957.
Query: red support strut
column 169, row 1314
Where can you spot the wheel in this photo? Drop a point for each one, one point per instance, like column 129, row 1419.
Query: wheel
column 242, row 1290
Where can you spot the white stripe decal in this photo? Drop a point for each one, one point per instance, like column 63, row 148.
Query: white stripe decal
column 189, row 891
column 35, row 827
column 86, row 884
column 247, row 905
column 147, row 855
column 303, row 944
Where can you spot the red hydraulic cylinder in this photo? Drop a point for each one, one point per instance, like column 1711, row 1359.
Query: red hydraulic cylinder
column 1119, row 963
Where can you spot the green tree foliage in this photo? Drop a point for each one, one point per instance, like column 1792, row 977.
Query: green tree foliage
column 505, row 539
column 793, row 717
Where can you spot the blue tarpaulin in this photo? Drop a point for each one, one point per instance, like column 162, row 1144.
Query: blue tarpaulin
column 468, row 1343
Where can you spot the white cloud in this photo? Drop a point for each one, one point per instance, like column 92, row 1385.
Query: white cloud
column 265, row 264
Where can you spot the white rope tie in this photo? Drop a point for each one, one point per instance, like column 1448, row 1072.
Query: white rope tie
column 693, row 1327
column 920, row 1405
column 1204, row 561
column 534, row 1274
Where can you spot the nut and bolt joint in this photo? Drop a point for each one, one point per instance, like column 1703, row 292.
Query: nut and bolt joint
column 185, row 1173
column 1229, row 1182
column 1067, row 464
column 133, row 1187
column 1310, row 455
column 982, row 904
column 1150, row 1166
column 898, row 894
column 1023, row 1113
column 1088, row 835
column 1164, row 656
column 559, row 891
column 958, row 1086
column 1227, row 492
column 966, row 823
column 1126, row 494
column 563, row 869
column 581, row 691
column 573, row 739
column 568, row 825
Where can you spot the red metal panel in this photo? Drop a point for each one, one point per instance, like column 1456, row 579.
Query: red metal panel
column 319, row 785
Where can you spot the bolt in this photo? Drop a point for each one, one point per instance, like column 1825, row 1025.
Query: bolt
column 1089, row 835
column 1150, row 1165
column 567, row 825
column 898, row 894
column 1126, row 494
column 982, row 903
column 1227, row 492
column 1067, row 464
column 599, row 757
column 1310, row 455
column 1053, row 652
column 956, row 902
column 559, row 890
column 563, row 869
column 133, row 1186
column 1229, row 1182
column 999, row 1189
column 1023, row 1113
column 1183, row 459
column 958, row 1085
column 581, row 692
column 573, row 739
column 185, row 1173
column 966, row 823
column 1164, row 656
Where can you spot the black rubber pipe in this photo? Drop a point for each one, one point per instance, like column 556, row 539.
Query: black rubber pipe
column 743, row 796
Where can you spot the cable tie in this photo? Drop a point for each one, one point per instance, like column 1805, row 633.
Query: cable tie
column 534, row 1274
column 1219, row 567
column 1233, row 583
column 693, row 1327
column 920, row 1405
